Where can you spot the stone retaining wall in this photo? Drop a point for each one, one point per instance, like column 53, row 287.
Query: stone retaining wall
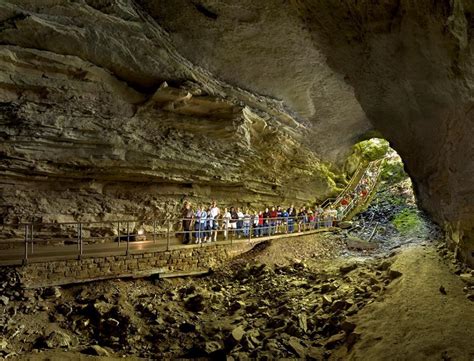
column 182, row 259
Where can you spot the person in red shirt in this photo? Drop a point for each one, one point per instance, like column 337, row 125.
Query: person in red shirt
column 260, row 223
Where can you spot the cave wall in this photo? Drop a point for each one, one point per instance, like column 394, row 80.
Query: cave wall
column 101, row 119
column 411, row 64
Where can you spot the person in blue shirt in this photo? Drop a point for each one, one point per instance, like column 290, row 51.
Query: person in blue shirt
column 203, row 226
column 291, row 218
column 284, row 215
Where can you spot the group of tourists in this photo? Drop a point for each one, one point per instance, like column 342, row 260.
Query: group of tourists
column 203, row 223
column 360, row 192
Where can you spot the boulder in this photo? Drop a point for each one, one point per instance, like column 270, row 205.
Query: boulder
column 325, row 288
column 4, row 300
column 96, row 350
column 237, row 305
column 102, row 308
column 303, row 322
column 327, row 300
column 237, row 333
column 55, row 339
column 347, row 268
column 332, row 341
column 348, row 326
column 296, row 347
column 392, row 274
column 385, row 265
column 195, row 303
column 339, row 305
column 51, row 292
column 468, row 278
column 345, row 224
column 187, row 327
column 315, row 353
column 211, row 347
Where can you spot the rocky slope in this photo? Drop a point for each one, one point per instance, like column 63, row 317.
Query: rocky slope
column 249, row 309
column 258, row 94
column 292, row 300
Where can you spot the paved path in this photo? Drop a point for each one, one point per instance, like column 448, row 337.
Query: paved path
column 37, row 252
column 63, row 252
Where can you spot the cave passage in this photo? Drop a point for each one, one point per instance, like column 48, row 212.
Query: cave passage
column 116, row 115
column 391, row 217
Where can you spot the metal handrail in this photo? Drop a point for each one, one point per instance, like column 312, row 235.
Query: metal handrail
column 355, row 202
column 247, row 224
column 270, row 227
column 360, row 168
column 335, row 200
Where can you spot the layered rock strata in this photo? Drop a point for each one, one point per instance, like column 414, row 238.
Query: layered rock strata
column 98, row 126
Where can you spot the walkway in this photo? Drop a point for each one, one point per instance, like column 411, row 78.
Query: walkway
column 75, row 241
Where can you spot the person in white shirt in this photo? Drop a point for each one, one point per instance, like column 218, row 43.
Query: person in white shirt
column 240, row 222
column 214, row 224
column 246, row 223
column 226, row 222
column 256, row 229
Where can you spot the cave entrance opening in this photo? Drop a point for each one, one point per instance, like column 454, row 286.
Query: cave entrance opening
column 391, row 216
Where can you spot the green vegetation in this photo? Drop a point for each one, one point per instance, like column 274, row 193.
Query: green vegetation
column 393, row 171
column 366, row 151
column 409, row 222
column 372, row 149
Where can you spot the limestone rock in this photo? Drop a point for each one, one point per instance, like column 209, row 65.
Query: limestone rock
column 467, row 278
column 57, row 339
column 212, row 346
column 393, row 274
column 96, row 350
column 4, row 300
column 195, row 303
column 296, row 346
column 238, row 333
column 52, row 292
column 348, row 267
column 334, row 340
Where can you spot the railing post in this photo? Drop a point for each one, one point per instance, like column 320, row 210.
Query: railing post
column 128, row 239
column 250, row 229
column 25, row 258
column 168, row 236
column 31, row 238
column 80, row 241
column 118, row 233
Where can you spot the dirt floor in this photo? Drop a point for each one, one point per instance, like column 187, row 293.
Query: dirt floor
column 423, row 315
column 307, row 299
